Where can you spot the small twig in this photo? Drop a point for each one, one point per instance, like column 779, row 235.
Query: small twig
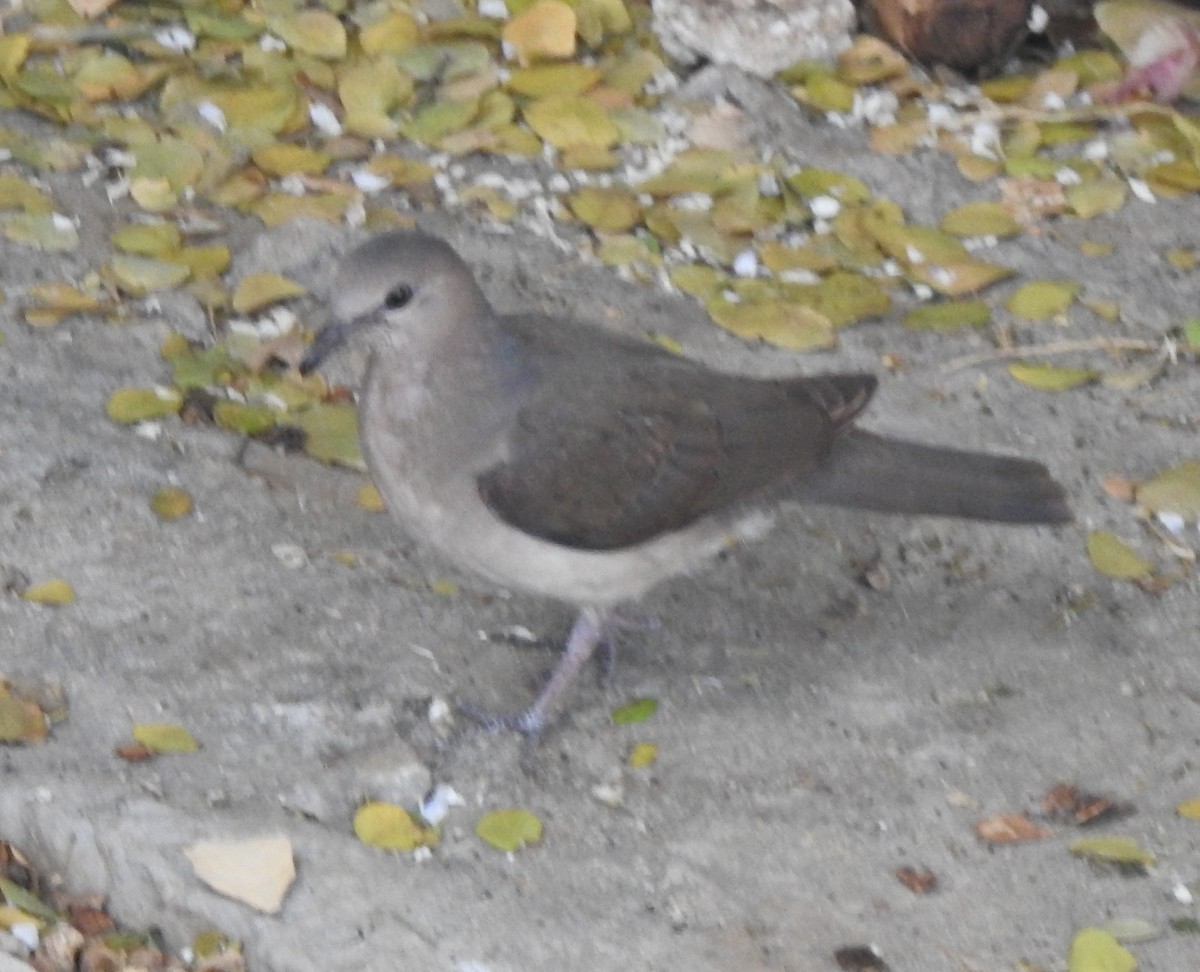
column 1048, row 350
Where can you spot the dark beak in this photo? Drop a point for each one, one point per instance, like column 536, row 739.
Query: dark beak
column 331, row 337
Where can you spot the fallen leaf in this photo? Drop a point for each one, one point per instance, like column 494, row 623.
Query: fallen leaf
column 391, row 827
column 260, row 290
column 1190, row 809
column 1010, row 828
column 1174, row 490
column 545, row 30
column 509, row 830
column 171, row 503
column 1113, row 557
column 1113, row 850
column 1041, row 300
column 128, row 405
column 1095, row 950
column 639, row 710
column 1048, row 377
column 55, row 592
column 165, row 737
column 948, row 315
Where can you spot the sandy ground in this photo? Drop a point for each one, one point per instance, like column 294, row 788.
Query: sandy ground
column 815, row 735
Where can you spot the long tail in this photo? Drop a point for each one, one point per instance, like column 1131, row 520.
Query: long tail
column 868, row 472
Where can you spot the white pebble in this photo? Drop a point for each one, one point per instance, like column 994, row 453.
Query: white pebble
column 745, row 264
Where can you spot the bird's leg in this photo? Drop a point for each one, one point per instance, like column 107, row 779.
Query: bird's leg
column 590, row 630
column 608, row 641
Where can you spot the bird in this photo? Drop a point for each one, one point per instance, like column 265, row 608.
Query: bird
column 552, row 456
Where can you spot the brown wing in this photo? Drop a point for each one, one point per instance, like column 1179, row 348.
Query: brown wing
column 608, row 456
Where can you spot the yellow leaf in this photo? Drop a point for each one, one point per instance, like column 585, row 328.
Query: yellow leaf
column 21, row 721
column 610, row 210
column 1112, row 557
column 261, row 290
column 390, row 827
column 13, row 50
column 283, row 159
column 139, row 275
column 1048, row 377
column 147, row 239
column 1189, row 809
column 569, row 121
column 509, row 830
column 554, row 79
column 960, row 278
column 545, row 31
column 826, row 93
column 643, row 755
column 171, row 503
column 17, row 193
column 164, row 737
column 1174, row 490
column 202, row 261
column 1095, row 950
column 55, row 592
column 778, row 322
column 128, row 405
column 331, row 433
column 1041, row 300
column 368, row 498
column 315, row 32
column 393, row 34
column 278, row 207
column 948, row 315
column 111, row 77
column 246, row 419
column 267, row 108
column 980, row 219
column 52, row 232
column 370, row 91
column 1090, row 199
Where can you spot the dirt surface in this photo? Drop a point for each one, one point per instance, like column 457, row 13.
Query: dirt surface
column 815, row 734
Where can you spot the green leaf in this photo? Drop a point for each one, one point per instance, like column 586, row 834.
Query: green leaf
column 128, row 405
column 1043, row 299
column 948, row 315
column 331, row 433
column 18, row 897
column 1113, row 850
column 509, row 830
column 1113, row 558
column 639, row 710
column 1048, row 377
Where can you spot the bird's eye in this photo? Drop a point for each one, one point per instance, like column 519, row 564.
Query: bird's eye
column 398, row 296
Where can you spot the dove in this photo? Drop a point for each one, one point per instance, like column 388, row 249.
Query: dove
column 554, row 457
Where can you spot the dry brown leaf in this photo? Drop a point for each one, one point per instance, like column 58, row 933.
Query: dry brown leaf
column 1010, row 828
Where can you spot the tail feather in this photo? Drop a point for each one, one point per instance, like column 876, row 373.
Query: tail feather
column 866, row 471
